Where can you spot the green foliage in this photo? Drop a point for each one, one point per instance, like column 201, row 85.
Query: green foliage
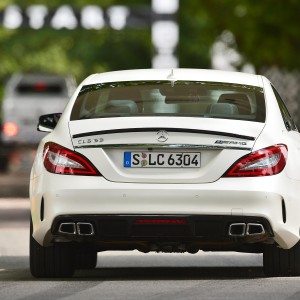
column 267, row 33
column 78, row 52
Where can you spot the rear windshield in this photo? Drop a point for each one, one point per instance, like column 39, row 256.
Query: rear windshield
column 167, row 98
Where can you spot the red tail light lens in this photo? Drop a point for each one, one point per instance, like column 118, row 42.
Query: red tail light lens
column 40, row 86
column 60, row 160
column 10, row 129
column 264, row 162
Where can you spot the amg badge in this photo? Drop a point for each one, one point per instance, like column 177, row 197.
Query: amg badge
column 222, row 142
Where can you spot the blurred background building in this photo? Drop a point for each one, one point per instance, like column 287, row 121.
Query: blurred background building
column 69, row 40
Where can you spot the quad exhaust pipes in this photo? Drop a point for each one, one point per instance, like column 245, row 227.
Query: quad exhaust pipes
column 255, row 229
column 79, row 228
column 67, row 228
column 235, row 229
column 85, row 228
column 243, row 229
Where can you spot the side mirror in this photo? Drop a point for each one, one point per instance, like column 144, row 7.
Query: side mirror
column 48, row 122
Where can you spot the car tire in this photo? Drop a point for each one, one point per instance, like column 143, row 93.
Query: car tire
column 54, row 261
column 281, row 262
column 86, row 259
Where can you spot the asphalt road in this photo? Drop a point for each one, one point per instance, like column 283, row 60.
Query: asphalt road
column 132, row 275
column 14, row 185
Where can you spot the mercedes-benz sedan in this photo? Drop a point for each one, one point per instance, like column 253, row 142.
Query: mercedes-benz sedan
column 175, row 160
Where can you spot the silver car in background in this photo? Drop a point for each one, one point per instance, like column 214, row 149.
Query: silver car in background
column 26, row 97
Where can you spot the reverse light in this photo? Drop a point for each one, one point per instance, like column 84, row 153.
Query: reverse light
column 61, row 160
column 10, row 129
column 263, row 162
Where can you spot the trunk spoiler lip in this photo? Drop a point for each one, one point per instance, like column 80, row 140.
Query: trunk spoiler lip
column 164, row 146
column 168, row 129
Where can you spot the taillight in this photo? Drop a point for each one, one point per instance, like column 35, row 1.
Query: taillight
column 263, row 162
column 40, row 86
column 10, row 129
column 60, row 160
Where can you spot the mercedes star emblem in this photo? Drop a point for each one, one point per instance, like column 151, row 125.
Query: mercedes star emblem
column 162, row 136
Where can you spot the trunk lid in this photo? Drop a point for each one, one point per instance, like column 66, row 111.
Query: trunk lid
column 220, row 143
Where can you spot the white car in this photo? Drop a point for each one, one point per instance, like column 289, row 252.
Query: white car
column 175, row 160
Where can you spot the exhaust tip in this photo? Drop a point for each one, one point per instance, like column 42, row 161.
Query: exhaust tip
column 67, row 228
column 255, row 229
column 237, row 229
column 85, row 228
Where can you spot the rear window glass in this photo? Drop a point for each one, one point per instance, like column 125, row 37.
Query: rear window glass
column 167, row 98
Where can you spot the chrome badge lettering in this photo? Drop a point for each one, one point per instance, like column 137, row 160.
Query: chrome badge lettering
column 89, row 141
column 222, row 142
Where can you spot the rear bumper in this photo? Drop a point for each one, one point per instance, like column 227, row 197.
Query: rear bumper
column 247, row 197
column 158, row 232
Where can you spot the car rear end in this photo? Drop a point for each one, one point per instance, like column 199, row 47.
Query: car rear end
column 167, row 165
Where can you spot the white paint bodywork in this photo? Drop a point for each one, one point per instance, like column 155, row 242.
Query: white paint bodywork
column 198, row 191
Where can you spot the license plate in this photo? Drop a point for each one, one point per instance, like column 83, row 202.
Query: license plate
column 161, row 159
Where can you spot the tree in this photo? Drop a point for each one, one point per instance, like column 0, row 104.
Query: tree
column 266, row 32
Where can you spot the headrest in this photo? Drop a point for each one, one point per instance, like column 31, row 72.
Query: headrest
column 122, row 106
column 239, row 99
column 120, row 93
column 222, row 109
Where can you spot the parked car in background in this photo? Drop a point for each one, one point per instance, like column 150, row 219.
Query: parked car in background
column 26, row 97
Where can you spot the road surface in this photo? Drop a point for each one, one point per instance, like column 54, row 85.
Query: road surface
column 132, row 275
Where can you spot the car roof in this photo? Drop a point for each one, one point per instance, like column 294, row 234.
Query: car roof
column 175, row 74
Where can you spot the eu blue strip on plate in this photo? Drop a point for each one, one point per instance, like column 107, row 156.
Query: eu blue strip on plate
column 127, row 159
